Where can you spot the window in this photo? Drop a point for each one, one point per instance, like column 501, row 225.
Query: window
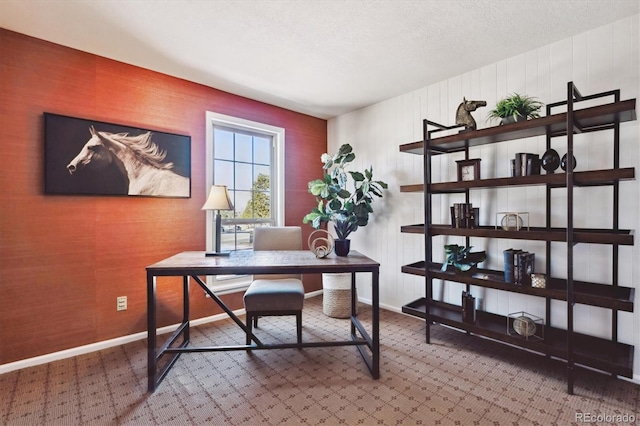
column 248, row 158
column 243, row 162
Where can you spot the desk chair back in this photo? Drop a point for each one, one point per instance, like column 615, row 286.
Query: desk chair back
column 277, row 238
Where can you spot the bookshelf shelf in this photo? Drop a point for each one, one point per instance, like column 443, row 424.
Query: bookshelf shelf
column 589, row 351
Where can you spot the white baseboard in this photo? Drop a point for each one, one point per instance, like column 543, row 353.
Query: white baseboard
column 93, row 347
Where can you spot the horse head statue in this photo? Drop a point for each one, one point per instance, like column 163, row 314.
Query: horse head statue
column 463, row 113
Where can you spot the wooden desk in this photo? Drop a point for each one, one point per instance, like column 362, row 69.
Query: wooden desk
column 194, row 264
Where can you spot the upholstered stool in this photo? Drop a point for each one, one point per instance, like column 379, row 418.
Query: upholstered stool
column 273, row 298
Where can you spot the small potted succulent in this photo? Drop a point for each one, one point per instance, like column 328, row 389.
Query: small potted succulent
column 348, row 207
column 515, row 108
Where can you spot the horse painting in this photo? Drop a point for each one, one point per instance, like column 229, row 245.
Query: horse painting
column 137, row 157
column 463, row 113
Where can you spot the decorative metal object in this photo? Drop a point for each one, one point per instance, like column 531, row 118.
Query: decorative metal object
column 463, row 113
column 512, row 221
column 321, row 245
column 525, row 325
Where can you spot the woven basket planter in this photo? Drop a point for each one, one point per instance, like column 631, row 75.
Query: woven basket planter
column 336, row 299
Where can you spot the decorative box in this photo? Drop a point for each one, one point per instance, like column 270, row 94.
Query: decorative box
column 525, row 325
column 538, row 280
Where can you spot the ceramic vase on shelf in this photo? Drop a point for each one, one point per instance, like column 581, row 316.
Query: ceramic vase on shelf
column 550, row 160
column 564, row 163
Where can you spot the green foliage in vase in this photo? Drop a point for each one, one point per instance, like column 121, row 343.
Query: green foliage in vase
column 348, row 206
column 515, row 106
column 461, row 257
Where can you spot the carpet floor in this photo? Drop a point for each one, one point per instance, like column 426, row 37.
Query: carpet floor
column 456, row 380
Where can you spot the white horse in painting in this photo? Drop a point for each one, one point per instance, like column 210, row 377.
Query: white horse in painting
column 137, row 157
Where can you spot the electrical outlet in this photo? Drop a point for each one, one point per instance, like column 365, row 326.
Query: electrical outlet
column 121, row 303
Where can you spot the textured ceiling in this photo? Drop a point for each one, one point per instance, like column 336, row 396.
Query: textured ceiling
column 318, row 57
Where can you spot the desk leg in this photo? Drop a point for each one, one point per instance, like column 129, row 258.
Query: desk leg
column 376, row 324
column 151, row 332
column 154, row 376
column 354, row 302
column 185, row 306
column 373, row 339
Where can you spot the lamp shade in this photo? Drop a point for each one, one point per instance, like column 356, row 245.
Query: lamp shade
column 218, row 199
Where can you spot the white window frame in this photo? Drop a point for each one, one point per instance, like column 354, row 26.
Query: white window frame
column 231, row 285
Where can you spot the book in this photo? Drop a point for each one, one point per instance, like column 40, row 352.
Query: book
column 533, row 164
column 467, row 212
column 462, row 215
column 528, row 266
column 523, row 163
column 526, row 164
column 509, row 265
column 468, row 307
column 458, row 215
column 518, row 165
column 518, row 266
column 523, row 267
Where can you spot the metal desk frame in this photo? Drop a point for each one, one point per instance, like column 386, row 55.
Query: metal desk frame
column 195, row 264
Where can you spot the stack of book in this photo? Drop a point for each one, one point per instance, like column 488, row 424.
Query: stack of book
column 464, row 215
column 518, row 266
column 525, row 164
column 468, row 307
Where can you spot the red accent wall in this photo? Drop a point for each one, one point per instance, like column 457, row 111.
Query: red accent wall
column 65, row 259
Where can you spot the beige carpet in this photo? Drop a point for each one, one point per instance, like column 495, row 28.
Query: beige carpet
column 457, row 380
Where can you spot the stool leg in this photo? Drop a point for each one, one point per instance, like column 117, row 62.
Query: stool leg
column 255, row 321
column 299, row 326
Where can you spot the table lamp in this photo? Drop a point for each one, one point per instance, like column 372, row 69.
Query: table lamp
column 218, row 200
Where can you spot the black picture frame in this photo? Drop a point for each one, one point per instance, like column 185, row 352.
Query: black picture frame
column 474, row 164
column 73, row 166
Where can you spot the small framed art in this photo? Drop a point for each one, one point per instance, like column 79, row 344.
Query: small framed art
column 469, row 169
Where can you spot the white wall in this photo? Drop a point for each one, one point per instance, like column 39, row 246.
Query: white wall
column 602, row 59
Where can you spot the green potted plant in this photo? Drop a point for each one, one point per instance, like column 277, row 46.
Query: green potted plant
column 516, row 107
column 343, row 201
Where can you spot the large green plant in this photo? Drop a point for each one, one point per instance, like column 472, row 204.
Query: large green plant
column 515, row 106
column 348, row 206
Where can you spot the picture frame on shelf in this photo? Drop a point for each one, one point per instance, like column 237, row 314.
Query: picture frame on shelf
column 468, row 170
